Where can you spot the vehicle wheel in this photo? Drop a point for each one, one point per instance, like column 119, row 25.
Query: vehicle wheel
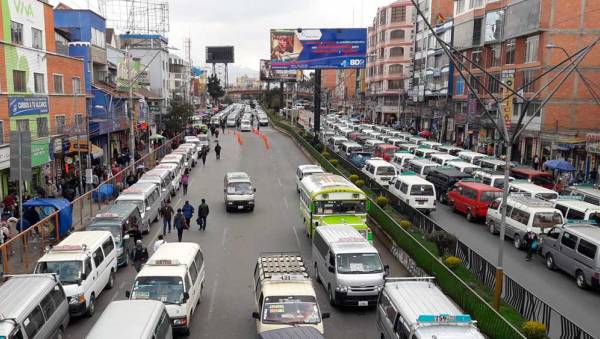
column 331, row 295
column 59, row 334
column 91, row 309
column 492, row 228
column 443, row 198
column 186, row 331
column 517, row 242
column 550, row 262
column 470, row 217
column 317, row 274
column 111, row 281
column 580, row 279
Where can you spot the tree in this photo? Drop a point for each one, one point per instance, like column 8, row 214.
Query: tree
column 179, row 115
column 214, row 88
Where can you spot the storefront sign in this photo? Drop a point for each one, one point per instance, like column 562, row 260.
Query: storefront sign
column 39, row 152
column 27, row 105
column 4, row 157
column 507, row 107
column 592, row 143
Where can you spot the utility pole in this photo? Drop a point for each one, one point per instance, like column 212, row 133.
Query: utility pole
column 129, row 109
column 317, row 110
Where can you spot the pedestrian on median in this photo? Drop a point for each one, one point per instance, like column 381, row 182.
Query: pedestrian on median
column 179, row 223
column 218, row 151
column 158, row 243
column 139, row 255
column 167, row 213
column 531, row 243
column 188, row 212
column 203, row 155
column 202, row 215
column 185, row 180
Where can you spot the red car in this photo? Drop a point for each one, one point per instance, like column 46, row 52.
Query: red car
column 539, row 178
column 385, row 151
column 473, row 198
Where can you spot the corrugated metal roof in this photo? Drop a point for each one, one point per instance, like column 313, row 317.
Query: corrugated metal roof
column 17, row 291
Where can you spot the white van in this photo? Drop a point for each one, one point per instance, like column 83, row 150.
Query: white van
column 177, row 159
column 416, row 308
column 380, row 171
column 164, row 187
column 589, row 193
column 175, row 169
column 533, row 190
column 348, row 147
column 395, row 141
column 167, row 176
column 85, row 263
column 415, row 191
column 188, row 161
column 492, row 163
column 408, row 147
column 423, row 152
column 140, row 319
column 147, row 198
column 431, row 144
column 421, row 166
column 471, row 157
column 452, row 150
column 463, row 166
column 175, row 275
column 492, row 178
column 413, row 139
column 306, row 170
column 336, row 141
column 370, row 144
column 347, row 265
column 443, row 158
column 239, row 193
column 401, row 159
column 523, row 212
column 195, row 150
column 574, row 208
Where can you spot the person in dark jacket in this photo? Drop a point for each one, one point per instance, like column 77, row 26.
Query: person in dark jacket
column 203, row 155
column 131, row 179
column 218, row 150
column 531, row 243
column 179, row 223
column 188, row 212
column 139, row 255
column 202, row 215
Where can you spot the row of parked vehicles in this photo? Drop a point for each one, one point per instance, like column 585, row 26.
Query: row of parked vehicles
column 240, row 115
column 423, row 173
column 72, row 275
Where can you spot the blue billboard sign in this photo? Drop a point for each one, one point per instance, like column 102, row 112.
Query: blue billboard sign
column 330, row 48
column 27, row 105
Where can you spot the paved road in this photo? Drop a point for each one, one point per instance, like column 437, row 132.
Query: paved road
column 553, row 287
column 232, row 242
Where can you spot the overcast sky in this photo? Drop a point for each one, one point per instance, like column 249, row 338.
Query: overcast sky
column 245, row 24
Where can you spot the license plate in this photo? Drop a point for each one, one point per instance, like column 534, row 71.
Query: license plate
column 420, row 202
column 240, row 207
column 363, row 303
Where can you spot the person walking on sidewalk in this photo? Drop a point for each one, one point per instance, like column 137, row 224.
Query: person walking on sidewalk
column 531, row 243
column 218, row 151
column 203, row 155
column 188, row 212
column 179, row 224
column 185, row 180
column 202, row 215
column 167, row 214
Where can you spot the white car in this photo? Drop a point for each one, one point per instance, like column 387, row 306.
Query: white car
column 245, row 126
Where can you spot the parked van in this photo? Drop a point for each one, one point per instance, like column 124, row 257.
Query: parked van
column 118, row 220
column 413, row 139
column 540, row 178
column 423, row 152
column 431, row 144
column 188, row 161
column 473, row 198
column 416, row 308
column 379, row 171
column 385, row 151
column 175, row 169
column 421, row 166
column 463, row 166
column 139, row 319
column 370, row 144
column 348, row 148
column 443, row 158
column 239, row 191
column 85, row 263
column 193, row 149
column 415, row 191
column 175, row 275
column 395, row 142
column 146, row 197
column 347, row 265
column 574, row 249
column 492, row 164
column 589, row 193
column 408, row 147
column 523, row 212
column 177, row 159
column 444, row 178
column 401, row 159
column 533, row 190
column 471, row 157
column 336, row 141
column 158, row 180
column 452, row 150
column 33, row 306
column 305, row 170
column 492, row 178
column 167, row 176
column 574, row 208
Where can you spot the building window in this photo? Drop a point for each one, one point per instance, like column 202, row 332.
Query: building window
column 98, row 38
column 78, row 119
column 38, row 83
column 510, row 51
column 527, row 84
column 19, row 81
column 395, row 84
column 382, row 17
column 460, row 85
column 477, row 31
column 23, row 125
column 476, row 4
column 16, row 32
column 396, row 52
column 381, row 36
column 58, row 83
column 42, row 127
column 397, row 35
column 59, row 124
column 476, row 58
column 381, row 53
column 531, row 48
column 76, row 85
column 460, row 6
column 395, row 69
column 494, row 85
column 36, row 39
column 495, row 55
column 399, row 14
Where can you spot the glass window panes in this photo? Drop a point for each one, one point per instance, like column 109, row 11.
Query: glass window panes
column 510, row 51
column 399, row 14
column 587, row 248
column 19, row 81
column 23, row 125
column 59, row 124
column 16, row 32
column 397, row 34
column 76, row 86
column 38, row 83
column 531, row 48
column 42, row 127
column 34, row 322
column 58, row 83
column 569, row 240
column 36, row 39
column 396, row 52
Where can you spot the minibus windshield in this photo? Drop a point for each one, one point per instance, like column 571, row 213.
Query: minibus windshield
column 358, row 263
column 68, row 272
column 291, row 310
column 168, row 290
column 340, row 207
column 240, row 188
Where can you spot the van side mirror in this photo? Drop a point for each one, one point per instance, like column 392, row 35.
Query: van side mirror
column 255, row 315
column 386, row 270
column 148, row 208
column 331, row 269
column 255, row 190
column 186, row 296
column 127, row 294
column 325, row 315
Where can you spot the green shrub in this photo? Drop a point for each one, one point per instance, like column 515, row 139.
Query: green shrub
column 334, row 162
column 382, row 201
column 443, row 240
column 406, row 224
column 325, row 154
column 534, row 330
column 360, row 183
column 452, row 262
column 353, row 178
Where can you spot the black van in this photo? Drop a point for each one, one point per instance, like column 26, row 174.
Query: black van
column 444, row 178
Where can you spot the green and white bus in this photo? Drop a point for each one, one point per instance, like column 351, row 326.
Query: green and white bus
column 357, row 222
column 326, row 194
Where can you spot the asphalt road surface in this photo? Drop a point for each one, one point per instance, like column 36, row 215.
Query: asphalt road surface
column 233, row 241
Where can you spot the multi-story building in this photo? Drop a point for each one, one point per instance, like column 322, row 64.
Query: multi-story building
column 519, row 40
column 432, row 72
column 179, row 77
column 390, row 54
column 42, row 91
column 339, row 89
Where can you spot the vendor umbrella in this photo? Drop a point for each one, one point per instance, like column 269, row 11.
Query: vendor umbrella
column 425, row 134
column 559, row 165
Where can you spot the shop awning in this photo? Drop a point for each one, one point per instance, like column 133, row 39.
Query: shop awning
column 96, row 151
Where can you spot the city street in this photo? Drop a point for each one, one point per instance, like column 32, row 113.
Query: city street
column 233, row 241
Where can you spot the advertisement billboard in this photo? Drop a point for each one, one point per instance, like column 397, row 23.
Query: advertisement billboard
column 269, row 74
column 335, row 48
column 219, row 55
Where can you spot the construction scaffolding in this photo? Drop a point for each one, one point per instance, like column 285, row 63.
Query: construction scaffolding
column 136, row 16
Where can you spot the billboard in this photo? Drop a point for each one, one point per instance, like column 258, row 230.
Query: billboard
column 219, row 55
column 269, row 74
column 335, row 48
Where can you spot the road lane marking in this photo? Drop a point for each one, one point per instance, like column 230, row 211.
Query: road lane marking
column 285, row 202
column 297, row 238
column 211, row 303
column 224, row 237
column 279, row 181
